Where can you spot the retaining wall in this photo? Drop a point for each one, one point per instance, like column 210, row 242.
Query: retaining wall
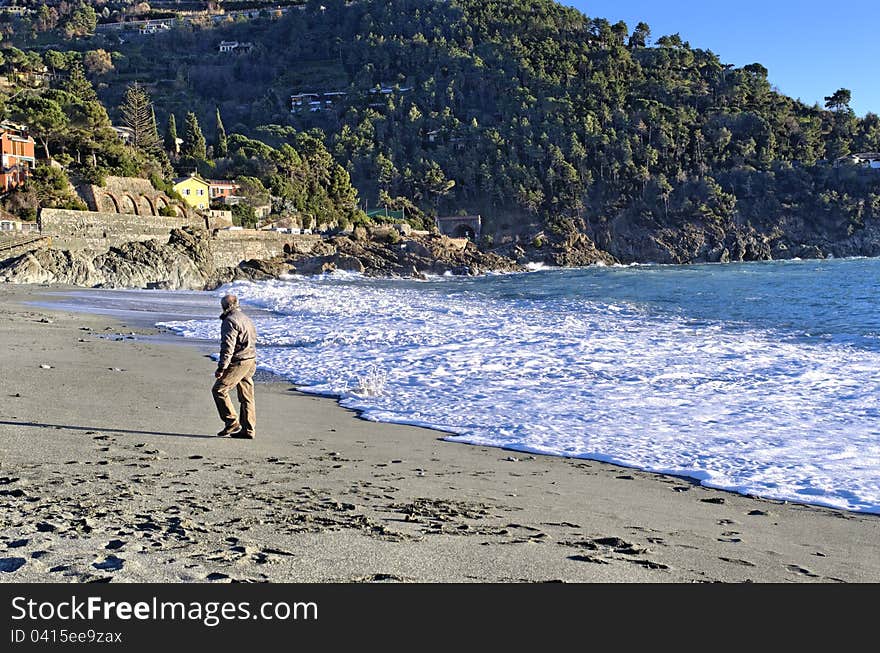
column 77, row 230
column 12, row 247
column 98, row 232
column 234, row 246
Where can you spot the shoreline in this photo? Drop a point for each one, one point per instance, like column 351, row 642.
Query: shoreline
column 165, row 335
column 343, row 498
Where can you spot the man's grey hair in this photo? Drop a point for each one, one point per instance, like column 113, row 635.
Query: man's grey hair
column 228, row 302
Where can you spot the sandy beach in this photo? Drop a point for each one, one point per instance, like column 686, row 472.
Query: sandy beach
column 110, row 471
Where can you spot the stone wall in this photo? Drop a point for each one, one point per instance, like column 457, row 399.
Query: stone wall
column 234, row 246
column 98, row 232
column 78, row 230
column 12, row 247
column 129, row 195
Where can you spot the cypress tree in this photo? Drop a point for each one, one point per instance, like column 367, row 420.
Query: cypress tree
column 220, row 149
column 171, row 135
column 193, row 139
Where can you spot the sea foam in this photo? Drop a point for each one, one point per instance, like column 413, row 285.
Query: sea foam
column 738, row 407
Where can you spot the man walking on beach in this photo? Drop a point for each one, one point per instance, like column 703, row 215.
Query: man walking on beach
column 238, row 362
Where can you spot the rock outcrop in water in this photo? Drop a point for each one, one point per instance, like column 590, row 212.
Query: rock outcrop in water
column 186, row 261
column 386, row 254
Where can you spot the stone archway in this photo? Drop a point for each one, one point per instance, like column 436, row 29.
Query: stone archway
column 460, row 226
column 146, row 206
column 128, row 205
column 464, row 231
column 108, row 203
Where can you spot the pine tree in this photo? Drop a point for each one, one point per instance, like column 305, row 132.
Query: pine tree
column 77, row 84
column 193, row 139
column 220, row 149
column 137, row 115
column 171, row 135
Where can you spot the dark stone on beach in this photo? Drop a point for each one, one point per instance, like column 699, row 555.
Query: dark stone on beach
column 8, row 565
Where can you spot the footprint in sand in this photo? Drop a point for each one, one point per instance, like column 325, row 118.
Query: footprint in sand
column 649, row 564
column 9, row 565
column 588, row 558
column 795, row 569
column 737, row 561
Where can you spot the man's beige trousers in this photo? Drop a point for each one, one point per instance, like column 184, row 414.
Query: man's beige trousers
column 239, row 375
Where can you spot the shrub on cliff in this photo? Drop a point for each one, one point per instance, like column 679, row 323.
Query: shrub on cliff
column 48, row 187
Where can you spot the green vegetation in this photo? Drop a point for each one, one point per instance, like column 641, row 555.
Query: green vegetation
column 47, row 187
column 528, row 112
column 137, row 114
column 193, row 140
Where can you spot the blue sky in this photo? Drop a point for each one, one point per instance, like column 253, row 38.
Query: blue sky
column 811, row 48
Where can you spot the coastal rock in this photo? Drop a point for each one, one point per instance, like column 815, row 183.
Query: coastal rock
column 642, row 239
column 407, row 257
column 183, row 262
column 186, row 261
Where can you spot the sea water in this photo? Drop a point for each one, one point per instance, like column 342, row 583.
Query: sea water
column 760, row 378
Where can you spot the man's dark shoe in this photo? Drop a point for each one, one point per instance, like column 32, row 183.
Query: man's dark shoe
column 241, row 435
column 229, row 429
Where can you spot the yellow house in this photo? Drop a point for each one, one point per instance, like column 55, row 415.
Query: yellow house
column 194, row 190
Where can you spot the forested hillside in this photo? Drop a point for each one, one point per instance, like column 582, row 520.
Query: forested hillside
column 530, row 113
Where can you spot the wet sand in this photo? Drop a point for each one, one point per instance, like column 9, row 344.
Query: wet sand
column 110, row 471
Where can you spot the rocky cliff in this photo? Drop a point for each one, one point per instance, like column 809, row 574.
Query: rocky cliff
column 186, row 261
column 643, row 240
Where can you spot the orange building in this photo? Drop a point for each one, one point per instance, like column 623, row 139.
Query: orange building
column 222, row 188
column 17, row 150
